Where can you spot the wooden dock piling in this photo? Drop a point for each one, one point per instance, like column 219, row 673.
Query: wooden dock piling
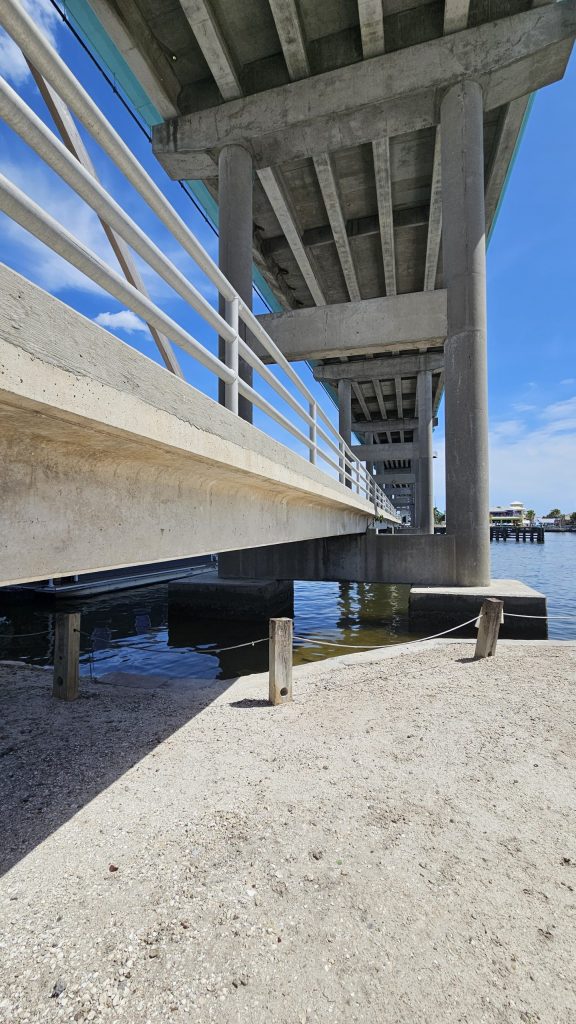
column 66, row 656
column 280, row 672
column 491, row 616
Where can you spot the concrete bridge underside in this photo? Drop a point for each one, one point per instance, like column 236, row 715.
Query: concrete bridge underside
column 358, row 152
column 109, row 460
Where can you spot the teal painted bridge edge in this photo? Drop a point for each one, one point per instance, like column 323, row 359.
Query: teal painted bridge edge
column 86, row 22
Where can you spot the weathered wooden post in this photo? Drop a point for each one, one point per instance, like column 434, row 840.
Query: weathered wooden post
column 491, row 617
column 280, row 677
column 66, row 656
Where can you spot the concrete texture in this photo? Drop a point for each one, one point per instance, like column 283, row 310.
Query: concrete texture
column 211, row 596
column 389, row 95
column 437, row 608
column 235, row 247
column 109, row 460
column 366, row 558
column 360, row 328
column 425, row 486
column 466, row 377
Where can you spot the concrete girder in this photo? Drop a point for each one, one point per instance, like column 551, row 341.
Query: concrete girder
column 395, row 476
column 399, row 397
column 279, row 202
column 370, row 326
column 456, row 13
column 381, row 157
column 204, row 25
column 406, row 423
column 141, row 52
column 508, row 136
column 381, row 368
column 359, row 227
column 360, row 398
column 435, row 219
column 329, row 190
column 387, row 95
column 287, row 21
column 384, row 451
column 371, row 17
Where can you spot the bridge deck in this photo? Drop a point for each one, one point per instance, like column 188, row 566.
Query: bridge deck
column 109, row 460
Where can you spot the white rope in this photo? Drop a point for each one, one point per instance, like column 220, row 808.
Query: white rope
column 517, row 615
column 380, row 647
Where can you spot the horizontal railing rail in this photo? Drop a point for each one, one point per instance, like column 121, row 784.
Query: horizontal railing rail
column 314, row 430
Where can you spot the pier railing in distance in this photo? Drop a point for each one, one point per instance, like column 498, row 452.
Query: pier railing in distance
column 313, row 427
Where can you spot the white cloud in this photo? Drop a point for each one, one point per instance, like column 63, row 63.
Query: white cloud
column 12, row 62
column 534, row 465
column 42, row 265
column 125, row 320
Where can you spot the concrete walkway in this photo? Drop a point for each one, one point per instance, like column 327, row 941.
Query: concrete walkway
column 397, row 845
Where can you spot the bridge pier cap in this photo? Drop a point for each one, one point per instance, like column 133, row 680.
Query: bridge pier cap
column 464, row 258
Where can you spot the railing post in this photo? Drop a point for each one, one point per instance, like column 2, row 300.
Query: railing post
column 313, row 410
column 488, row 628
column 342, row 474
column 231, row 390
column 280, row 668
column 66, row 656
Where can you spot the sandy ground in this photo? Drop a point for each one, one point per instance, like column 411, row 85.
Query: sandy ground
column 397, row 845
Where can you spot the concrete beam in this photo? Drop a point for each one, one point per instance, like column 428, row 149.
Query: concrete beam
column 360, row 399
column 456, row 14
column 395, row 477
column 384, row 368
column 385, row 96
column 107, row 459
column 508, row 136
column 359, row 227
column 205, row 27
column 435, row 219
column 280, row 204
column 406, row 423
column 371, row 558
column 329, row 190
column 384, row 451
column 359, row 328
column 141, row 52
column 287, row 21
column 371, row 17
column 383, row 179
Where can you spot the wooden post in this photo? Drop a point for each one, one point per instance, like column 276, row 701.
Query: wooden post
column 489, row 627
column 66, row 656
column 280, row 680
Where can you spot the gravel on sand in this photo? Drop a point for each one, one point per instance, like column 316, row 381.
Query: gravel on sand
column 398, row 845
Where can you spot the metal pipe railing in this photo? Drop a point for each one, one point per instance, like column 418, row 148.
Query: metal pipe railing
column 321, row 437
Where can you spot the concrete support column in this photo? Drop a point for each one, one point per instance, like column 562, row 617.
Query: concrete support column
column 425, row 490
column 464, row 257
column 345, row 414
column 235, row 244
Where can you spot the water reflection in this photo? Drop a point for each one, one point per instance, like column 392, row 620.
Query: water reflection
column 139, row 632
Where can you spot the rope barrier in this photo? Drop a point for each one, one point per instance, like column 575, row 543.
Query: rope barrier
column 379, row 647
column 517, row 615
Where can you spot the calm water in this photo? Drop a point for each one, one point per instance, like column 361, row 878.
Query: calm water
column 136, row 631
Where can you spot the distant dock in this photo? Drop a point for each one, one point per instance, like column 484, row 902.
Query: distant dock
column 533, row 534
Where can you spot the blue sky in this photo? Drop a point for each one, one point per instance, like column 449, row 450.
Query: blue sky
column 531, row 276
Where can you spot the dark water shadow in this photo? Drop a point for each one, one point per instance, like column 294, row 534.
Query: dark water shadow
column 55, row 757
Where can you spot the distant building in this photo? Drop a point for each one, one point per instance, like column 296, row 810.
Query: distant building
column 513, row 514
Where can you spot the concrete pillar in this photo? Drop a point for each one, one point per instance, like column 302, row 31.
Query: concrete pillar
column 235, row 244
column 464, row 257
column 345, row 410
column 345, row 415
column 425, row 489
